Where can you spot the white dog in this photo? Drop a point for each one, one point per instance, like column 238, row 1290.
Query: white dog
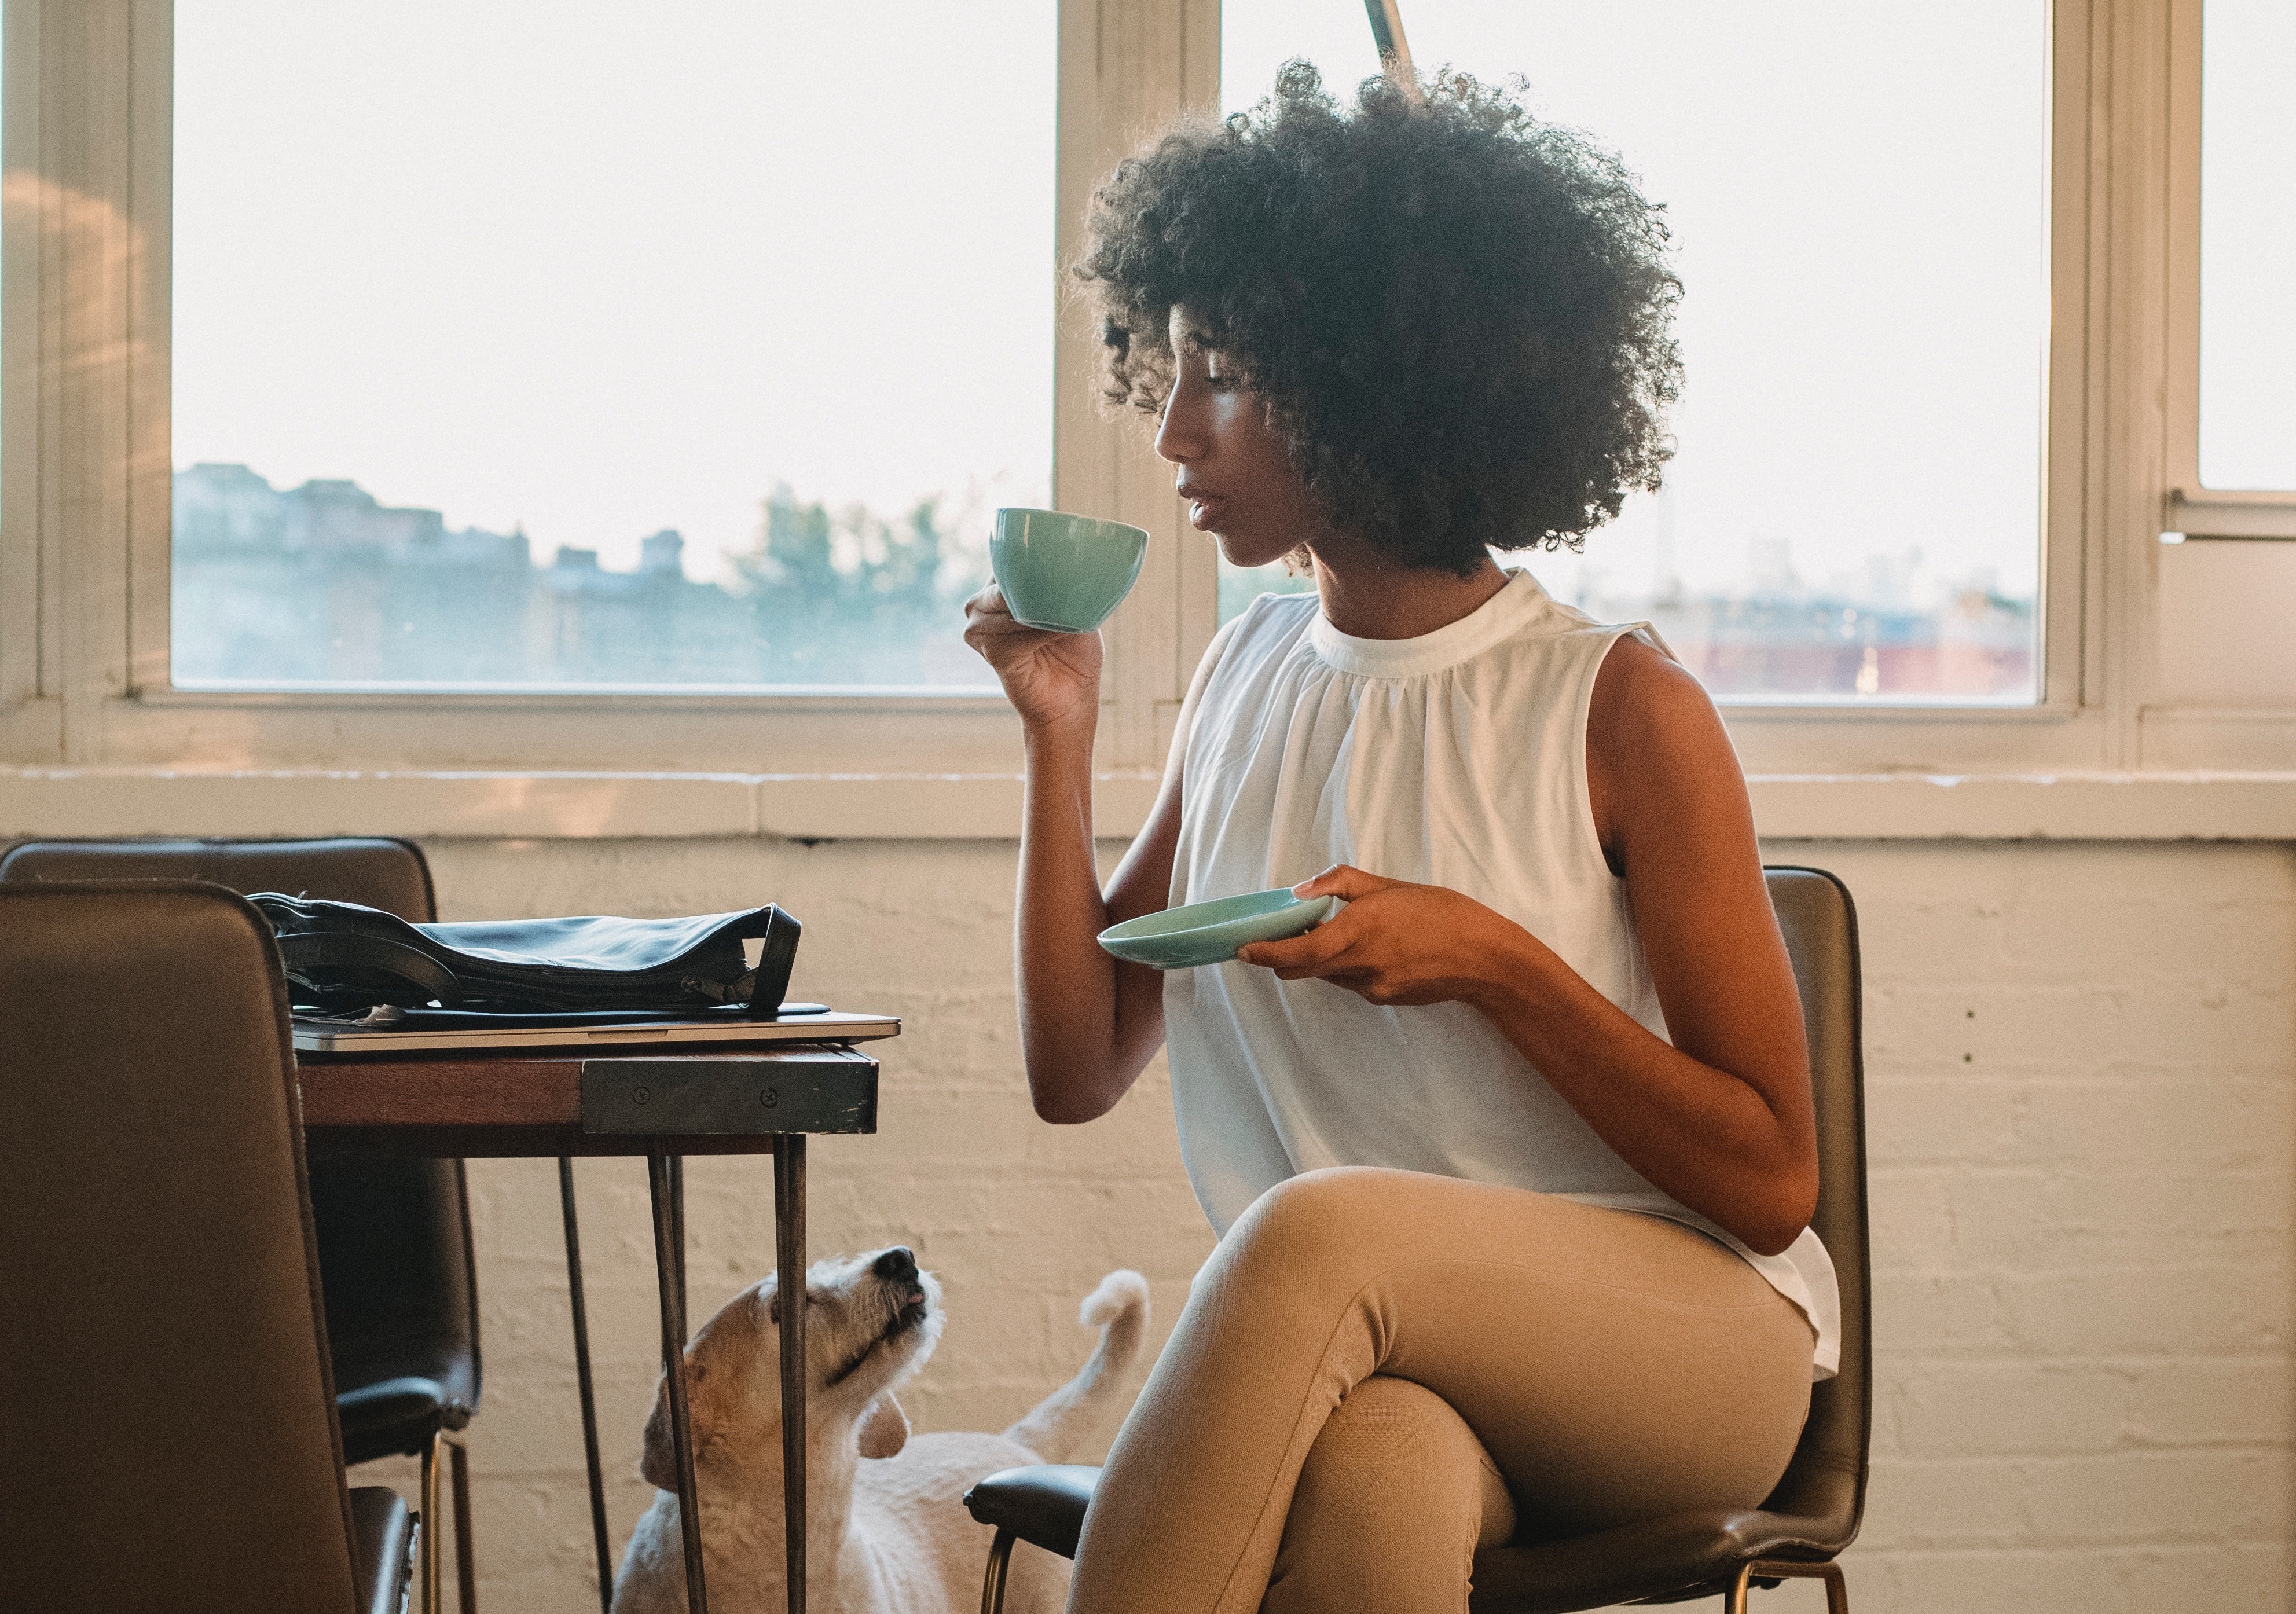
column 886, row 1533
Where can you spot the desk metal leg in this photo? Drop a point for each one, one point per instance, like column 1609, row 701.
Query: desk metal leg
column 789, row 1249
column 677, row 1222
column 661, row 1177
column 589, row 1393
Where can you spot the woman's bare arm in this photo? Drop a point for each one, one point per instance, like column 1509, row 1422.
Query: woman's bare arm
column 1720, row 1119
column 1089, row 1024
column 1670, row 802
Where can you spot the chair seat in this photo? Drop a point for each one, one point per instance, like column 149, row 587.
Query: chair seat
column 1044, row 1506
column 380, row 1532
column 1651, row 1560
column 396, row 1417
column 1659, row 1559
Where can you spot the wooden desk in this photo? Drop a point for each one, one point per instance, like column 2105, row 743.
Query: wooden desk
column 663, row 1106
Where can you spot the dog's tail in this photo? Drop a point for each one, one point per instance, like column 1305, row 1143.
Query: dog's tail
column 1119, row 1308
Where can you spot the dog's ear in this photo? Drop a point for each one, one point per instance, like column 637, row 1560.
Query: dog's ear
column 657, row 1464
column 884, row 1428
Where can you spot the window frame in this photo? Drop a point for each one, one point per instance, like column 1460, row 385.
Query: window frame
column 84, row 525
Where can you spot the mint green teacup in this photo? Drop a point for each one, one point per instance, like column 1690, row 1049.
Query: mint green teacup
column 1063, row 572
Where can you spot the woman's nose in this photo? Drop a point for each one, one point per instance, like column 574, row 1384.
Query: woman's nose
column 1179, row 434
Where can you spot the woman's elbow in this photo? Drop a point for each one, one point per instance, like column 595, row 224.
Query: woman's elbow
column 1070, row 1103
column 1777, row 1215
column 1065, row 1111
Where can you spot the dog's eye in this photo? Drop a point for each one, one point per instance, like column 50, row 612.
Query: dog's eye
column 774, row 1305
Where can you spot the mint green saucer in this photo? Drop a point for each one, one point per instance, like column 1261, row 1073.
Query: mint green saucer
column 1209, row 933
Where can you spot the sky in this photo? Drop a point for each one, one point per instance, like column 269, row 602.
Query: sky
column 604, row 269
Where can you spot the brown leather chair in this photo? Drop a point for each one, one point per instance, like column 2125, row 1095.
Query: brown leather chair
column 1814, row 1513
column 394, row 1235
column 167, row 1431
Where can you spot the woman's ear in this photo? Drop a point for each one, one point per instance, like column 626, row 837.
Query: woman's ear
column 658, row 1463
column 884, row 1428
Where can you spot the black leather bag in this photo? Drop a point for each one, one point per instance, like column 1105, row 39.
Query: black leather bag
column 339, row 956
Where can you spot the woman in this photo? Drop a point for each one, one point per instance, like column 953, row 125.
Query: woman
column 1513, row 1158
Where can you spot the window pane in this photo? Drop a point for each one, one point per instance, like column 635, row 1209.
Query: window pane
column 559, row 344
column 1859, row 203
column 1240, row 585
column 2248, row 243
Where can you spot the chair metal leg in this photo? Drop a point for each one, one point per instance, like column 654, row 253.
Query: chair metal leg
column 582, row 1377
column 1837, row 1589
column 433, row 1564
column 992, row 1585
column 466, row 1569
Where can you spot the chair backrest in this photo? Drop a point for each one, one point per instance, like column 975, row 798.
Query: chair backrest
column 1825, row 1482
column 379, row 874
column 167, row 1434
column 394, row 1233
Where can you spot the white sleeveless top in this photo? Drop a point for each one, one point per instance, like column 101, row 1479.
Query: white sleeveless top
column 1458, row 759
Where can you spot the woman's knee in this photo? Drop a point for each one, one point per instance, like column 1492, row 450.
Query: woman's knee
column 1335, row 1208
column 1304, row 1247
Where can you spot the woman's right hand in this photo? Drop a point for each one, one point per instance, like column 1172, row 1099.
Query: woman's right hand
column 1051, row 678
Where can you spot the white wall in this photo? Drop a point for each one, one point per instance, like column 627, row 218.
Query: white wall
column 2080, row 1060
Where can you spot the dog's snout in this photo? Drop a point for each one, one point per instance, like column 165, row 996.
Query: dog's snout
column 897, row 1264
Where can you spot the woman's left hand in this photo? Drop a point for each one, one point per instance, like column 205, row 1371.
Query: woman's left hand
column 1395, row 942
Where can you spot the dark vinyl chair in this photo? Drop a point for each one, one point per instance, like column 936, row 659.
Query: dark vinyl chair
column 394, row 1234
column 1814, row 1510
column 167, row 1430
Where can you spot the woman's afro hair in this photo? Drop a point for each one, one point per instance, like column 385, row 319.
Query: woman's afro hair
column 1457, row 316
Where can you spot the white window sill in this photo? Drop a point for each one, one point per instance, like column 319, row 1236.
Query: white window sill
column 99, row 802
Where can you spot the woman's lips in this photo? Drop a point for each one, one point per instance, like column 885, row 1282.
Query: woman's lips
column 1204, row 513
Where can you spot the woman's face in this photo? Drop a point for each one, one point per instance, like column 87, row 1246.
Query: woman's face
column 1234, row 470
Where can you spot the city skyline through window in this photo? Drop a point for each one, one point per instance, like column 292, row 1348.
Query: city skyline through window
column 549, row 345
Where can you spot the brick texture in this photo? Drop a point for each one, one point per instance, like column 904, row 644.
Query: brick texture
column 2084, row 1151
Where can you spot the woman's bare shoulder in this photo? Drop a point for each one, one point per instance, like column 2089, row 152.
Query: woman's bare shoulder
column 1644, row 694
column 1655, row 745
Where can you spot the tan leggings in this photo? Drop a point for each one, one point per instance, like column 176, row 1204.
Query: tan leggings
column 1379, row 1371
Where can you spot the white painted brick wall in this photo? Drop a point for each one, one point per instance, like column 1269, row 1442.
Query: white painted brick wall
column 2080, row 1063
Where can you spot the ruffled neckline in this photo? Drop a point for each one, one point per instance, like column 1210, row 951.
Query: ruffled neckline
column 1500, row 617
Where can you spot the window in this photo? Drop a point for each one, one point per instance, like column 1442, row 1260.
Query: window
column 2230, row 453
column 2248, row 241
column 116, row 303
column 522, row 345
column 1859, row 201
